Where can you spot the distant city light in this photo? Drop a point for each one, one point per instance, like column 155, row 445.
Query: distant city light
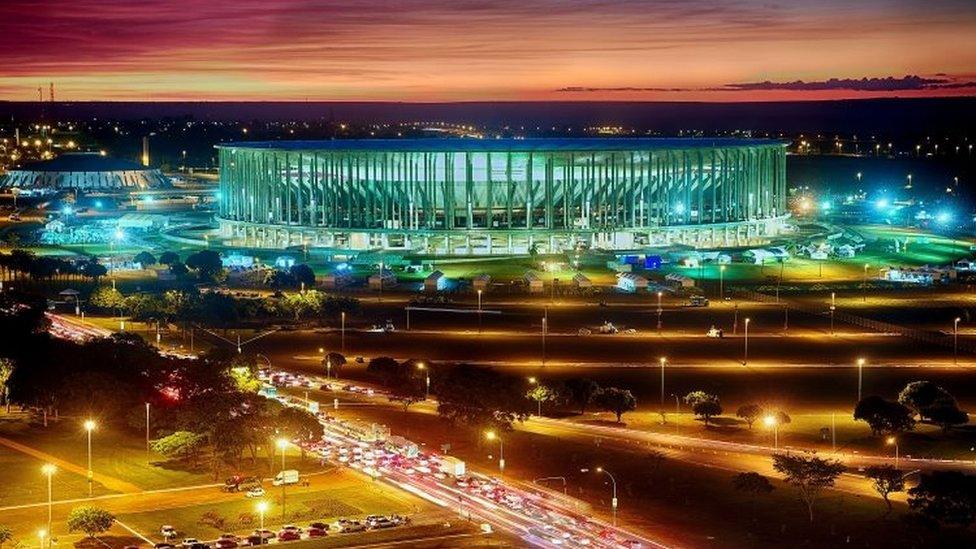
column 882, row 203
column 943, row 217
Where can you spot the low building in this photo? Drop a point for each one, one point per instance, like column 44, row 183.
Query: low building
column 382, row 279
column 435, row 282
column 581, row 282
column 534, row 283
column 481, row 282
column 631, row 282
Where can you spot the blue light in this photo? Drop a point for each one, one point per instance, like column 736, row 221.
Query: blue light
column 943, row 217
column 98, row 203
column 881, row 204
column 342, row 267
column 679, row 208
column 67, row 210
column 825, row 205
column 119, row 235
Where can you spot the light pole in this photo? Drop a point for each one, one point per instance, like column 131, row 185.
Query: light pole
column 864, row 285
column 659, row 310
column 89, row 427
column 613, row 502
column 534, row 381
column 423, row 367
column 745, row 347
column 262, row 507
column 892, row 441
column 490, row 435
column 49, row 470
column 833, row 307
column 479, row 311
column 41, row 534
column 860, row 377
column 343, row 332
column 664, row 361
column 721, row 282
column 148, row 451
column 545, row 329
column 773, row 424
column 955, row 341
column 282, row 444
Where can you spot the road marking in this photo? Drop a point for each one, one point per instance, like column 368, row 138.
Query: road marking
column 137, row 534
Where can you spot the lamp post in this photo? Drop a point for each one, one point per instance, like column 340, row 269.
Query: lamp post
column 864, row 285
column 892, row 441
column 490, row 435
column 534, row 381
column 479, row 311
column 664, row 361
column 49, row 469
column 721, row 282
column 860, row 377
column 282, row 444
column 833, row 307
column 773, row 424
column 613, row 502
column 41, row 534
column 262, row 506
column 343, row 332
column 148, row 448
column 745, row 347
column 545, row 330
column 423, row 367
column 659, row 310
column 955, row 341
column 89, row 427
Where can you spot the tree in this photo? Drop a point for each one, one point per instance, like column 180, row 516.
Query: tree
column 180, row 445
column 168, row 258
column 93, row 269
column 946, row 497
column 402, row 380
column 481, row 397
column 884, row 416
column 581, row 391
column 6, row 369
column 946, row 413
column 206, row 263
column 332, row 362
column 90, row 520
column 300, row 425
column 145, row 258
column 613, row 399
column 752, row 483
column 886, row 480
column 178, row 269
column 704, row 405
column 6, row 534
column 302, row 273
column 542, row 393
column 809, row 475
column 106, row 298
column 919, row 395
column 749, row 413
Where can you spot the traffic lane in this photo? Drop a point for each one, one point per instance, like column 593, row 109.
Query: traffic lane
column 764, row 346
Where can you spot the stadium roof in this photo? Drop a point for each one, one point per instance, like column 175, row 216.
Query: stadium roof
column 83, row 162
column 568, row 144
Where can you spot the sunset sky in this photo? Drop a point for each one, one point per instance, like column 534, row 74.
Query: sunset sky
column 461, row 50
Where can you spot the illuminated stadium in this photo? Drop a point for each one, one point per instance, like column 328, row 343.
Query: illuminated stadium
column 502, row 196
column 90, row 172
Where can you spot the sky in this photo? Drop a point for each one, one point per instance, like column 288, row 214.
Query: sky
column 478, row 50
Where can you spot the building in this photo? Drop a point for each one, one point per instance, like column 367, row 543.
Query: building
column 502, row 196
column 89, row 172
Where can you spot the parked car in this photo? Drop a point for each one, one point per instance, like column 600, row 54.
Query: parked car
column 167, row 531
column 255, row 492
column 288, row 535
column 164, row 545
column 316, row 532
column 319, row 525
column 351, row 526
column 264, row 534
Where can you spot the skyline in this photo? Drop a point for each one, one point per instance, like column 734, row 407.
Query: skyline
column 431, row 51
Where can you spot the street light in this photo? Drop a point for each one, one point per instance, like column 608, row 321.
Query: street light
column 282, row 444
column 614, row 481
column 262, row 506
column 479, row 311
column 773, row 423
column 490, row 435
column 721, row 282
column 343, row 332
column 864, row 285
column 664, row 361
column 545, row 329
column 41, row 534
column 659, row 310
column 423, row 367
column 534, row 381
column 833, row 307
column 892, row 441
column 955, row 341
column 745, row 348
column 49, row 469
column 89, row 427
column 860, row 377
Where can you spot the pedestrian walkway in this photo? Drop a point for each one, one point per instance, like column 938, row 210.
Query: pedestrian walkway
column 111, row 483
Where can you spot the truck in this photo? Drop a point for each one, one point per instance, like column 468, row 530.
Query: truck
column 450, row 465
column 286, row 477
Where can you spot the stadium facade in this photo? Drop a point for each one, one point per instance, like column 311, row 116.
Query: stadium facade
column 89, row 172
column 502, row 196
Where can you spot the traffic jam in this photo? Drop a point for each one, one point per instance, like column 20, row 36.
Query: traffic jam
column 541, row 518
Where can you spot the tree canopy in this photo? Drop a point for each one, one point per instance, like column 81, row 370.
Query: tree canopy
column 809, row 475
column 884, row 416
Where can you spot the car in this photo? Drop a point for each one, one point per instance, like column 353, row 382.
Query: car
column 164, row 545
column 632, row 544
column 289, row 535
column 715, row 332
column 255, row 540
column 167, row 531
column 255, row 492
column 226, row 543
column 381, row 523
column 264, row 534
column 189, row 541
column 698, row 301
column 291, row 528
column 351, row 526
column 317, row 532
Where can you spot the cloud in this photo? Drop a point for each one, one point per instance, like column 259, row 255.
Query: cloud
column 887, row 84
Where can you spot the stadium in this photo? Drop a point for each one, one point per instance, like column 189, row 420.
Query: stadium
column 89, row 172
column 502, row 196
